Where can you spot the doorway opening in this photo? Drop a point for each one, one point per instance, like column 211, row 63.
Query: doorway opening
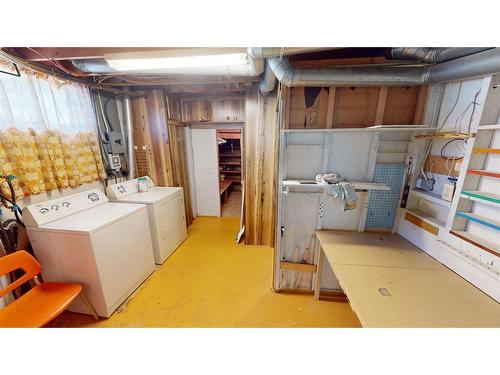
column 230, row 171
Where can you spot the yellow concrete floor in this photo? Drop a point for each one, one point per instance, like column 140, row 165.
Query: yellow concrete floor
column 211, row 282
column 232, row 208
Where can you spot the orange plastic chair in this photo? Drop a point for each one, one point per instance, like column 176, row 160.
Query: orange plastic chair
column 41, row 303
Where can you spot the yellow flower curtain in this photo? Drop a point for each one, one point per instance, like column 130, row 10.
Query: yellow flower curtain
column 47, row 134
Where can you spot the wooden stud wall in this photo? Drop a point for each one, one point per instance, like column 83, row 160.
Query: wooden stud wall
column 313, row 116
column 353, row 107
column 261, row 158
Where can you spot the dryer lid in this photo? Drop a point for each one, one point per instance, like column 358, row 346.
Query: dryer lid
column 154, row 195
column 126, row 188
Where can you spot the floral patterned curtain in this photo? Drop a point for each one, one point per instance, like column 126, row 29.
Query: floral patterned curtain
column 47, row 134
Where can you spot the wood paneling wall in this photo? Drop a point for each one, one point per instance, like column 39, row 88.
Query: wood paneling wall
column 353, row 107
column 159, row 147
column 179, row 160
column 151, row 133
column 261, row 158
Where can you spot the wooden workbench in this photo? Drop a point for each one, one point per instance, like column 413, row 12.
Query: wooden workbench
column 391, row 283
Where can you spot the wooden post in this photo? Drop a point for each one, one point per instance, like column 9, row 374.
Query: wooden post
column 331, row 106
column 319, row 269
column 382, row 99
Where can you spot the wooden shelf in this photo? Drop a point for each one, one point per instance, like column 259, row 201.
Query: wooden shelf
column 445, row 135
column 230, row 172
column 482, row 172
column 431, row 197
column 375, row 128
column 482, row 197
column 229, row 163
column 230, row 154
column 488, row 127
column 487, row 222
column 358, row 185
column 427, row 217
column 477, row 241
column 478, row 150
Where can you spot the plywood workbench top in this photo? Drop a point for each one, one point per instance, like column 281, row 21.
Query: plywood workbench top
column 374, row 249
column 392, row 283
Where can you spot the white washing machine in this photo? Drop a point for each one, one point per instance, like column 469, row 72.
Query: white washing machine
column 104, row 246
column 166, row 213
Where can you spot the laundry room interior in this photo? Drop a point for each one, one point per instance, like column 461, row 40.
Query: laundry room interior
column 250, row 187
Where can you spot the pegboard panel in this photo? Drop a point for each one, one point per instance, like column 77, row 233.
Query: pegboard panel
column 383, row 204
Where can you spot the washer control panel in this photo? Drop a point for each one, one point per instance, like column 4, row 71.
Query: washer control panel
column 122, row 189
column 43, row 213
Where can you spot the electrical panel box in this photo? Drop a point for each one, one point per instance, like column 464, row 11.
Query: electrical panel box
column 116, row 143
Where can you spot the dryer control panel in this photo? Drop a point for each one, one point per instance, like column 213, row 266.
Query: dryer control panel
column 122, row 189
column 45, row 212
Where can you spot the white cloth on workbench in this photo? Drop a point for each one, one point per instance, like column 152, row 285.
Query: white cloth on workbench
column 338, row 187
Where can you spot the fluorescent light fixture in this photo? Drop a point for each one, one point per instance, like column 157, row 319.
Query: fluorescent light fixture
column 163, row 63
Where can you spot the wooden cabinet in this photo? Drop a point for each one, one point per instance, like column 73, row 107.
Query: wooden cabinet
column 200, row 110
column 228, row 110
column 231, row 110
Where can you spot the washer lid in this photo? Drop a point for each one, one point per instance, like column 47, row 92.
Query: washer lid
column 93, row 219
column 152, row 196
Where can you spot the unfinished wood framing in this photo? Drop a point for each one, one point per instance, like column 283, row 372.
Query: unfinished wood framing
column 353, row 107
column 401, row 105
column 308, row 107
column 261, row 157
column 382, row 100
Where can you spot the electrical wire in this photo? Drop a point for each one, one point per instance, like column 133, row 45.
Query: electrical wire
column 59, row 65
column 452, row 108
column 428, row 146
column 105, row 113
column 453, row 157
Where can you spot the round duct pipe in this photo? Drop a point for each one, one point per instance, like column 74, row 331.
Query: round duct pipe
column 479, row 64
column 97, row 66
column 265, row 52
column 433, row 55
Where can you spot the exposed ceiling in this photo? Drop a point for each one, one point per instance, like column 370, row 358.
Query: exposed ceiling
column 59, row 59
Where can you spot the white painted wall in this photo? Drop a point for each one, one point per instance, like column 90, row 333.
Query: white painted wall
column 206, row 171
column 304, row 156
